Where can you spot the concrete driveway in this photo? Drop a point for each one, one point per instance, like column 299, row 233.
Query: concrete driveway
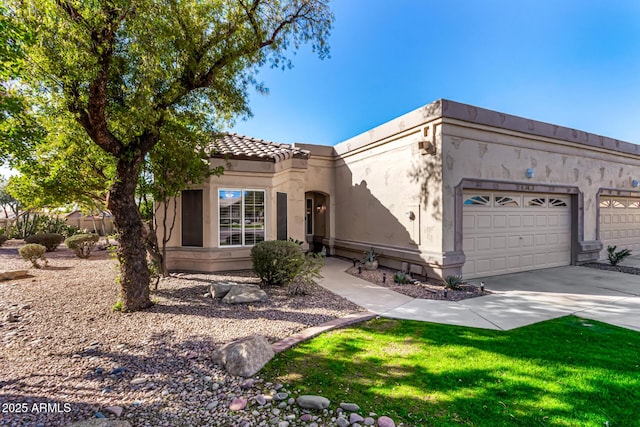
column 518, row 299
column 523, row 298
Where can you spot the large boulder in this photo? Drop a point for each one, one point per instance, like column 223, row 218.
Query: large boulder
column 242, row 294
column 220, row 289
column 246, row 356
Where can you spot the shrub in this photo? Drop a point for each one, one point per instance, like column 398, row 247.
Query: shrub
column 82, row 244
column 453, row 282
column 616, row 257
column 48, row 240
column 33, row 252
column 3, row 238
column 308, row 272
column 276, row 262
column 401, row 277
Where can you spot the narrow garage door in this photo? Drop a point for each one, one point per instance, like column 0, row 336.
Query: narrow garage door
column 506, row 233
column 619, row 223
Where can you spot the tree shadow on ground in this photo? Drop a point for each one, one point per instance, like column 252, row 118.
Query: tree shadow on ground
column 563, row 372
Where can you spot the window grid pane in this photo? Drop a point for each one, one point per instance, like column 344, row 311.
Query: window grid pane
column 241, row 217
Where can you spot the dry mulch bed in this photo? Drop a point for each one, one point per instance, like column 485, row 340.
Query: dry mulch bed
column 67, row 338
column 425, row 288
column 620, row 268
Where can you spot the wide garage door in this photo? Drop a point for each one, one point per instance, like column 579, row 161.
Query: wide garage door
column 506, row 232
column 619, row 223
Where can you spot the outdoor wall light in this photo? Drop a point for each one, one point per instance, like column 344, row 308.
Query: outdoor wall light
column 530, row 173
column 410, row 215
column 320, row 208
column 634, row 183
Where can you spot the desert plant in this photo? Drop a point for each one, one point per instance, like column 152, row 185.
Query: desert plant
column 296, row 241
column 616, row 256
column 306, row 275
column 370, row 255
column 33, row 252
column 276, row 262
column 3, row 238
column 25, row 225
column 48, row 240
column 401, row 277
column 82, row 244
column 453, row 282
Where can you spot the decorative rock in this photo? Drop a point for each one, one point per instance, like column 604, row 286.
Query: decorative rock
column 342, row 422
column 212, row 405
column 355, row 418
column 118, row 371
column 115, row 410
column 11, row 275
column 99, row 415
column 238, row 404
column 386, row 422
column 291, row 401
column 351, row 407
column 245, row 357
column 247, row 384
column 275, row 411
column 261, row 400
column 281, row 396
column 313, row 402
column 220, row 289
column 10, row 318
column 242, row 294
column 100, row 422
column 369, row 421
column 138, row 381
column 305, row 417
column 283, row 424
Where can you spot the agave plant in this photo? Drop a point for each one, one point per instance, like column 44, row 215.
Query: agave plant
column 616, row 257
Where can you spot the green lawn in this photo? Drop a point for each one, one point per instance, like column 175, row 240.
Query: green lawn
column 563, row 372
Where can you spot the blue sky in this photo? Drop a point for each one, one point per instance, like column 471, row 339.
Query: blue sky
column 566, row 62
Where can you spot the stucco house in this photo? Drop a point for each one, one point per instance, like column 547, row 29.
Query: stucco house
column 448, row 188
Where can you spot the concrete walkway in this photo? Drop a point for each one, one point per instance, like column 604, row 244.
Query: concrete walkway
column 518, row 299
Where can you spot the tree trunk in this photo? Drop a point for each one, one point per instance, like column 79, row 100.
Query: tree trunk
column 132, row 253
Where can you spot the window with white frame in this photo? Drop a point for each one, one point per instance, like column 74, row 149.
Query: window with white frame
column 241, row 217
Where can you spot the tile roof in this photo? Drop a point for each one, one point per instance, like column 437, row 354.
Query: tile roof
column 242, row 147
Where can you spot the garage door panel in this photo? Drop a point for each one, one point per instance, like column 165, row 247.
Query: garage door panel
column 499, row 263
column 527, row 240
column 499, row 221
column 499, row 242
column 501, row 239
column 619, row 223
column 483, row 221
column 540, row 239
column 528, row 221
column 514, row 242
column 526, row 261
column 483, row 243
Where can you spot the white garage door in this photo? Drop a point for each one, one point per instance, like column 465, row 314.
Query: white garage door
column 619, row 223
column 506, row 233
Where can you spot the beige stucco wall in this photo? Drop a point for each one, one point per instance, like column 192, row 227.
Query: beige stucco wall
column 476, row 151
column 388, row 195
column 287, row 176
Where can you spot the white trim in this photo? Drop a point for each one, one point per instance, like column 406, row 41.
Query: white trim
column 242, row 228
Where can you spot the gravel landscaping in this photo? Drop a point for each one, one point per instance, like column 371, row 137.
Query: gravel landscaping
column 64, row 346
column 619, row 268
column 424, row 288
